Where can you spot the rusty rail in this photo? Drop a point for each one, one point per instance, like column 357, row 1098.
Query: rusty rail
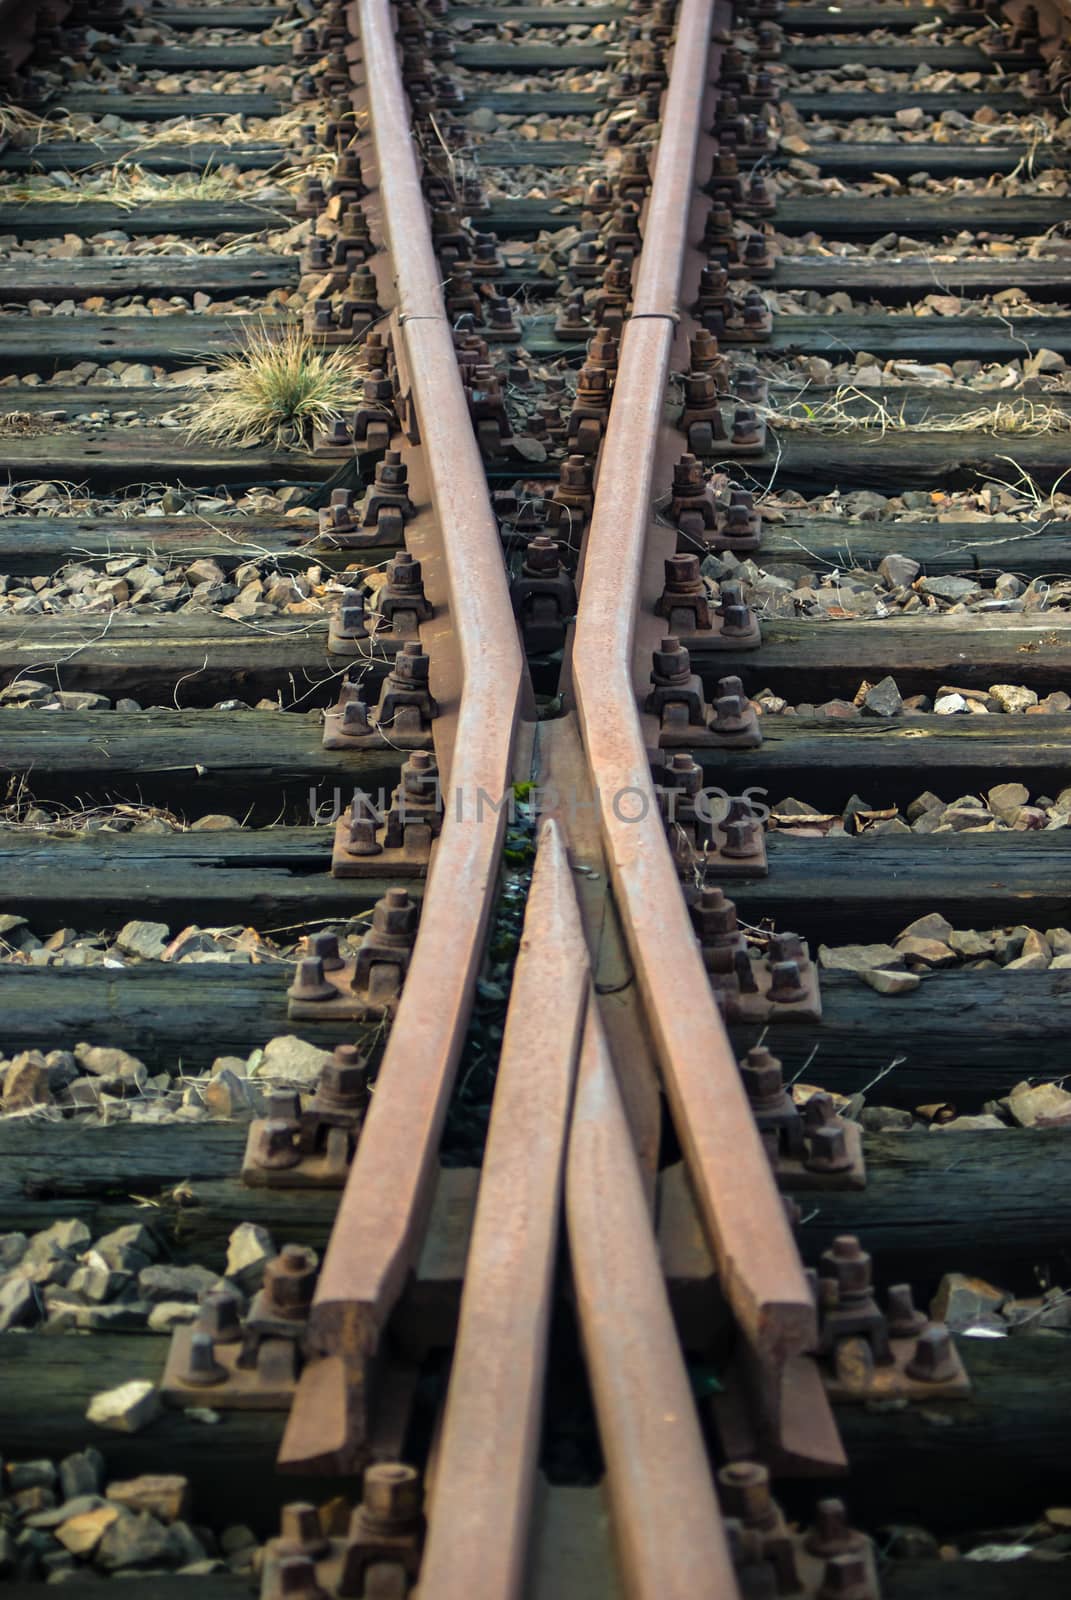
column 388, row 1194
column 744, row 1217
column 480, row 1502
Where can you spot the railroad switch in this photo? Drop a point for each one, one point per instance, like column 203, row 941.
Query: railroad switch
column 379, row 1558
column 248, row 1363
column 867, row 1354
column 310, row 1145
column 828, row 1561
column 810, row 1147
column 400, row 841
column 369, row 985
column 543, row 597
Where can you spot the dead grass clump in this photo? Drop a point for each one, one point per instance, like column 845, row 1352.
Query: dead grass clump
column 852, row 410
column 280, row 390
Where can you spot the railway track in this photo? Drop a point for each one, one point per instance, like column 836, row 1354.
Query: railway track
column 442, row 823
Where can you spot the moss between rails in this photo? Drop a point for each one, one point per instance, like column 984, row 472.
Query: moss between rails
column 465, row 1133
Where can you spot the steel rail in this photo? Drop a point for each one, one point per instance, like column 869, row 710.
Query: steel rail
column 388, row 1193
column 664, row 1510
column 479, row 1508
column 758, row 1264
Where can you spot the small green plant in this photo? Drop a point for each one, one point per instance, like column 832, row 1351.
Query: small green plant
column 279, row 390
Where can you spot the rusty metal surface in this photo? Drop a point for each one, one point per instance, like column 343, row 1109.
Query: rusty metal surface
column 386, row 1199
column 485, row 1470
column 757, row 1259
column 667, row 1525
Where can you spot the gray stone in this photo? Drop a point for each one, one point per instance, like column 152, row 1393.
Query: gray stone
column 127, row 1408
column 37, row 1474
column 67, row 1237
column 166, row 1315
column 145, row 940
column 951, row 589
column 1013, row 696
column 286, row 1059
column 960, row 1301
column 133, row 1541
column 931, row 926
column 107, row 1061
column 891, row 983
column 167, row 1282
column 859, row 957
column 164, row 1495
column 884, row 699
column 966, row 942
column 75, row 1506
column 898, row 571
column 81, row 1473
column 12, row 1250
column 62, row 1069
column 128, row 1249
column 26, row 1083
column 249, row 1249
column 885, row 1119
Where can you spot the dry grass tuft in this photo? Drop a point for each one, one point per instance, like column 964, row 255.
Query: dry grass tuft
column 852, row 410
column 280, row 390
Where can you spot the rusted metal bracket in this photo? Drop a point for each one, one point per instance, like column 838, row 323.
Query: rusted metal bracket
column 695, row 619
column 403, row 716
column 774, row 1557
column 869, row 1354
column 810, row 1146
column 248, row 1363
column 369, row 986
column 704, row 846
column 310, row 1146
column 400, row 841
column 379, row 1558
